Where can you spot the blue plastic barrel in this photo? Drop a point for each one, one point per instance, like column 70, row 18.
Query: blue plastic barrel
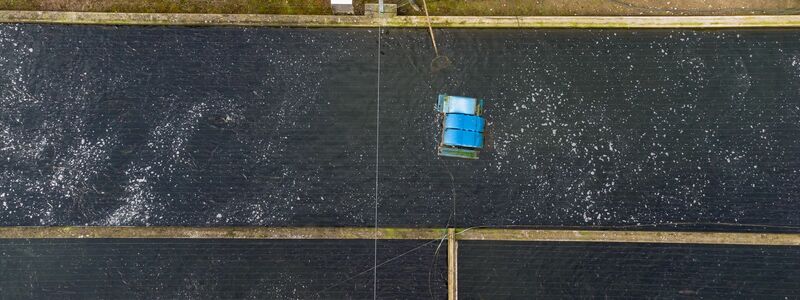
column 464, row 122
column 462, row 138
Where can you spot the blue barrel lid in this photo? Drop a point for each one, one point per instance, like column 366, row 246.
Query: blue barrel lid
column 461, row 105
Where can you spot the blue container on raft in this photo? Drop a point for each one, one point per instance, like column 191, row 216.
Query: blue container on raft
column 462, row 126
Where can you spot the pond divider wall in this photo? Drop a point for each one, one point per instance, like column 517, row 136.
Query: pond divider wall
column 94, row 18
column 367, row 233
column 452, row 235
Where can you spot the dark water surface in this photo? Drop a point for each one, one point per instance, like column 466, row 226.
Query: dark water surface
column 515, row 270
column 218, row 269
column 269, row 126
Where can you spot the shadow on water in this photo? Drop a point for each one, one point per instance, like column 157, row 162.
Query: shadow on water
column 440, row 63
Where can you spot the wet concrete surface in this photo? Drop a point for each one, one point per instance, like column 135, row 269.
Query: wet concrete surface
column 276, row 126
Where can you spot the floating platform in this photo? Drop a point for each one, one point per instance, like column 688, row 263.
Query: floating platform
column 462, row 126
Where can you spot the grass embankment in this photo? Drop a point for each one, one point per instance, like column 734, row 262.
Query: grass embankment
column 436, row 7
column 300, row 7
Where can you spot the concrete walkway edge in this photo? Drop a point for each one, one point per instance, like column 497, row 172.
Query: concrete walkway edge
column 366, row 233
column 52, row 17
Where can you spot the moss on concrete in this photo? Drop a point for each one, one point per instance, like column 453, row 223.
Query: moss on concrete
column 366, row 233
column 402, row 21
column 436, row 7
column 609, row 236
column 224, row 232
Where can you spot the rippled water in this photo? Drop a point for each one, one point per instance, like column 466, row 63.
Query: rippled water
column 218, row 269
column 268, row 126
column 514, row 270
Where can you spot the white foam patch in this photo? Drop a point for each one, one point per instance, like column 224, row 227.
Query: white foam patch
column 44, row 138
column 167, row 141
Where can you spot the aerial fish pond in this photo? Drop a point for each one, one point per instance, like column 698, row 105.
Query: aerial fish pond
column 134, row 125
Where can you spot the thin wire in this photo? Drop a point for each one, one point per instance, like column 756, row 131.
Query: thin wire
column 378, row 265
column 452, row 218
column 377, row 156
